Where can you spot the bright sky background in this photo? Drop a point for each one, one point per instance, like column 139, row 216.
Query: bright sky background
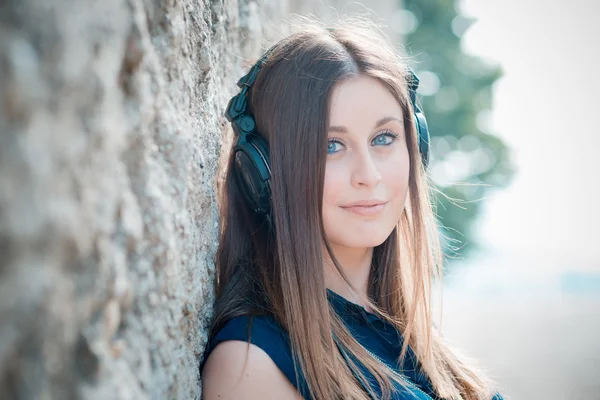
column 539, row 281
column 546, row 107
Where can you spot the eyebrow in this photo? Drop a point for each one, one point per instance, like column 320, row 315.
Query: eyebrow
column 382, row 121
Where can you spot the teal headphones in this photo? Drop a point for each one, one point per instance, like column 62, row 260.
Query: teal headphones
column 251, row 151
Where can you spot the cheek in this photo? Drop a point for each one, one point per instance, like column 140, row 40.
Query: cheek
column 395, row 179
column 333, row 187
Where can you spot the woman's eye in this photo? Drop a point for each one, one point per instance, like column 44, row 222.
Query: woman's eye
column 384, row 139
column 333, row 146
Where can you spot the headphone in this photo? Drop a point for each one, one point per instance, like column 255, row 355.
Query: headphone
column 251, row 151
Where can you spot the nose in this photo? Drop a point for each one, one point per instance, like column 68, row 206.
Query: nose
column 365, row 172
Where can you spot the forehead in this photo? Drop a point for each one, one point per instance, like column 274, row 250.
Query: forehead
column 361, row 101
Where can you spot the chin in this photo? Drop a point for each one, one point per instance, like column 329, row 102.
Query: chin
column 363, row 238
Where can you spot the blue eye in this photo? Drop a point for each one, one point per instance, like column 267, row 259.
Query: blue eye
column 384, row 139
column 333, row 146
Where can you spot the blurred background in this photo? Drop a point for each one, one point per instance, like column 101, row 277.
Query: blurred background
column 527, row 302
column 510, row 89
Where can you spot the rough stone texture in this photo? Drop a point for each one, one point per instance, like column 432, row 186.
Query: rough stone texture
column 110, row 133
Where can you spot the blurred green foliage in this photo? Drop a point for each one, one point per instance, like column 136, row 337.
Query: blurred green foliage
column 467, row 160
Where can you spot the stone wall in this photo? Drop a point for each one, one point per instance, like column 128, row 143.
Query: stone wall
column 110, row 131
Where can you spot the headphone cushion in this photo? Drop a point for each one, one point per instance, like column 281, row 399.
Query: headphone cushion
column 253, row 173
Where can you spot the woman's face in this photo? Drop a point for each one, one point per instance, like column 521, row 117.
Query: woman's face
column 367, row 170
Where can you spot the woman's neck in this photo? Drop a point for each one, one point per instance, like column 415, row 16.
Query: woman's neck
column 356, row 264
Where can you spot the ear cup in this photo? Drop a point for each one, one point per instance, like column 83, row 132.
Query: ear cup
column 419, row 116
column 253, row 173
column 423, row 133
column 262, row 147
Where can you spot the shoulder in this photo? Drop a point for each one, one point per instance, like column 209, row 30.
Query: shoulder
column 254, row 353
column 241, row 370
column 262, row 331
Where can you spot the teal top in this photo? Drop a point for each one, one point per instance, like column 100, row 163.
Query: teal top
column 376, row 335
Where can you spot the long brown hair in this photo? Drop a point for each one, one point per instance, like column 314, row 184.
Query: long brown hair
column 278, row 270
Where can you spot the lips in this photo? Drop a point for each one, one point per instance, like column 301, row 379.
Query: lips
column 366, row 207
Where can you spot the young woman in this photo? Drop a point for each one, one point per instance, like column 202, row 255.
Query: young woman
column 328, row 242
